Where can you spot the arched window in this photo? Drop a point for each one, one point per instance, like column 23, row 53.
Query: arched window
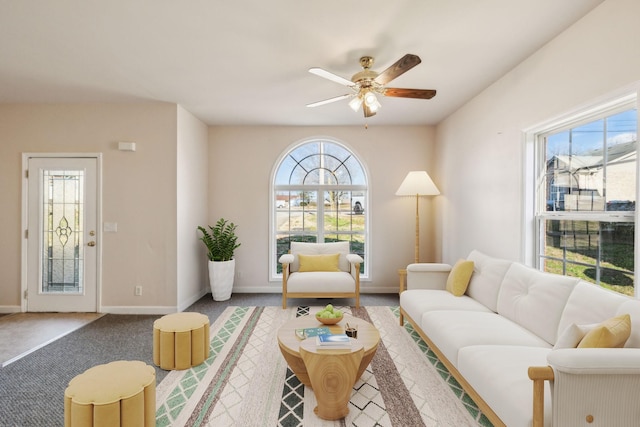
column 319, row 194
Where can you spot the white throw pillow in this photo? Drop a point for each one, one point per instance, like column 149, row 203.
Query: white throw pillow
column 572, row 335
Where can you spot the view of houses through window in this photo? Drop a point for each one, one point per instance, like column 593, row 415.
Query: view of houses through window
column 586, row 198
column 319, row 195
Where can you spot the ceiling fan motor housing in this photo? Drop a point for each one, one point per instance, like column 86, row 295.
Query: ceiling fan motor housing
column 364, row 78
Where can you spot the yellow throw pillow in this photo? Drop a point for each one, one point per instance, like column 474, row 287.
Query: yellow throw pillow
column 319, row 262
column 459, row 277
column 612, row 333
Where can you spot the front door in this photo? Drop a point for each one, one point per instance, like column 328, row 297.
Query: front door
column 62, row 234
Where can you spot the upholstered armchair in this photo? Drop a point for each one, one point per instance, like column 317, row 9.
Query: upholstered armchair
column 320, row 270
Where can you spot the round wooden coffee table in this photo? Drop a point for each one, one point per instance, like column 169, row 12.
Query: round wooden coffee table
column 331, row 373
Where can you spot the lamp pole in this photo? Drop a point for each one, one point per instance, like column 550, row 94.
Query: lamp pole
column 417, row 183
column 417, row 249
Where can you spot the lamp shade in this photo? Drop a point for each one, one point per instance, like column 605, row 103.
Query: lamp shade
column 417, row 183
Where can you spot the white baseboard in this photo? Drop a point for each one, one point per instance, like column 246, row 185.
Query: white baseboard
column 160, row 310
column 278, row 290
column 385, row 290
column 194, row 298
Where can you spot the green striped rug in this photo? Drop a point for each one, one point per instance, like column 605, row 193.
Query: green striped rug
column 246, row 381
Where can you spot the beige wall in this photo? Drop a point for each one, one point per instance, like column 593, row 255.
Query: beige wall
column 183, row 174
column 481, row 146
column 139, row 193
column 153, row 194
column 192, row 196
column 241, row 162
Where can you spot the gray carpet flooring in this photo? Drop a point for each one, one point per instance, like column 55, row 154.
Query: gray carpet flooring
column 32, row 388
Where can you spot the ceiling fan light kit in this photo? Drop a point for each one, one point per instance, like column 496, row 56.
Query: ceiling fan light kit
column 371, row 101
column 355, row 103
column 367, row 83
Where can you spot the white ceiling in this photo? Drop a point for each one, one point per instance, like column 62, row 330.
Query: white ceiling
column 245, row 62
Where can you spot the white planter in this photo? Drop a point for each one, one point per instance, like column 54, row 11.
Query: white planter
column 221, row 274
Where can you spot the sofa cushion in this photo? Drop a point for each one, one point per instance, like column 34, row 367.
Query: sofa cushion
column 321, row 281
column 318, row 262
column 452, row 330
column 632, row 307
column 341, row 248
column 612, row 333
column 459, row 276
column 487, row 276
column 535, row 299
column 590, row 304
column 499, row 374
column 416, row 302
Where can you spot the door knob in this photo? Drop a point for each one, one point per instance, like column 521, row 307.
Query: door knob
column 91, row 243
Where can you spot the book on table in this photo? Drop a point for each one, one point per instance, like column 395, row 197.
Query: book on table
column 303, row 333
column 333, row 341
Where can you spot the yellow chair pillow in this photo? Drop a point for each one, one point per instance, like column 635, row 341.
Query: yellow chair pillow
column 612, row 333
column 318, row 262
column 459, row 277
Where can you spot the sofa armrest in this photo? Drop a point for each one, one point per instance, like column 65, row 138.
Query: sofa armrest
column 427, row 275
column 598, row 385
column 596, row 361
column 286, row 259
column 354, row 259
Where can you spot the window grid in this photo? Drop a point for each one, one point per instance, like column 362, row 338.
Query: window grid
column 320, row 195
column 586, row 196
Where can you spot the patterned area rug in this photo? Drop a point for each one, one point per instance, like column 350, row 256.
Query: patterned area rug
column 246, row 381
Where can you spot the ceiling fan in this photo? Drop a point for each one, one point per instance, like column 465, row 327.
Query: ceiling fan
column 367, row 83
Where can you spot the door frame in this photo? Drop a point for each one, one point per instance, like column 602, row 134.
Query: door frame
column 25, row 221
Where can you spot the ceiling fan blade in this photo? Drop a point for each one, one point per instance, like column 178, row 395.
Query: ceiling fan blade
column 410, row 93
column 327, row 101
column 367, row 111
column 401, row 66
column 333, row 77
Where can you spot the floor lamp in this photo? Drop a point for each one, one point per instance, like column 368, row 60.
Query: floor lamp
column 417, row 183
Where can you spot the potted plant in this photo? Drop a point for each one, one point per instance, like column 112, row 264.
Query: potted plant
column 221, row 242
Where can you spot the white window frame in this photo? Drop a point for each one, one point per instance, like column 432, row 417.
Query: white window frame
column 534, row 211
column 274, row 276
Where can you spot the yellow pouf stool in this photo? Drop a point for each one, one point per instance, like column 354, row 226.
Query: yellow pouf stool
column 180, row 340
column 121, row 393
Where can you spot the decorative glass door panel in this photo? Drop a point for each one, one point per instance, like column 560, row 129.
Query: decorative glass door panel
column 62, row 252
column 63, row 222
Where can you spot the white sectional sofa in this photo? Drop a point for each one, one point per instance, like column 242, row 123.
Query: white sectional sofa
column 503, row 330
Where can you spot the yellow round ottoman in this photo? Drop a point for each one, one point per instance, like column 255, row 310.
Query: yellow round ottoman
column 121, row 393
column 180, row 340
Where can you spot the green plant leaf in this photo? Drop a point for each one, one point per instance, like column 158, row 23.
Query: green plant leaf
column 221, row 240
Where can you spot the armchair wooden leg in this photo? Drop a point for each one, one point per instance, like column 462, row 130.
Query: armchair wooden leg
column 357, row 279
column 285, row 276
